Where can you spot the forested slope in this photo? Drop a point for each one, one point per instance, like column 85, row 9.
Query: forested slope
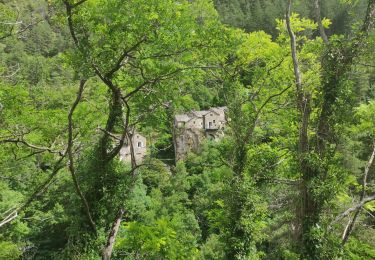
column 254, row 15
column 293, row 177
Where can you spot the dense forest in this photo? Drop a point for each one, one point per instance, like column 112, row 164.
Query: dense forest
column 292, row 177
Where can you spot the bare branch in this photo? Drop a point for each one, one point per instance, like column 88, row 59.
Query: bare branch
column 138, row 88
column 24, row 29
column 9, row 218
column 319, row 21
column 293, row 47
column 269, row 99
column 39, row 149
column 114, row 136
column 349, row 228
column 277, row 65
column 40, row 190
column 13, row 73
column 259, row 111
column 354, row 208
column 365, row 175
column 120, row 60
column 71, row 158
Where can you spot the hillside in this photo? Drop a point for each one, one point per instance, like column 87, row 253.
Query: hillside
column 161, row 129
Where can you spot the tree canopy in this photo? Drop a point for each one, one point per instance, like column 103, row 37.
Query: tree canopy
column 292, row 177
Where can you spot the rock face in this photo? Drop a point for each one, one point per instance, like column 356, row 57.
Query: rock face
column 190, row 129
column 138, row 144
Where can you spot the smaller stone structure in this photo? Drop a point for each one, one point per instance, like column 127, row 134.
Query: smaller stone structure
column 139, row 146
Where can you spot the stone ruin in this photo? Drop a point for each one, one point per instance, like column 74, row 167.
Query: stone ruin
column 138, row 144
column 192, row 128
column 188, row 132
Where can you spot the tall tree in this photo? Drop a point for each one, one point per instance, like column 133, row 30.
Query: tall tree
column 334, row 79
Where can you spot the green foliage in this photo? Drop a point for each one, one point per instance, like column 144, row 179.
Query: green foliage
column 9, row 250
column 356, row 249
column 162, row 226
column 156, row 241
column 236, row 198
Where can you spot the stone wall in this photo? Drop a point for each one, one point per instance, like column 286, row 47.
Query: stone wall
column 139, row 145
column 186, row 140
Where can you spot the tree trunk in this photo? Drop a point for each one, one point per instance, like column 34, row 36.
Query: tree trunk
column 107, row 251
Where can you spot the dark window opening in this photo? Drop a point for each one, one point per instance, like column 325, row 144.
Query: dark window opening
column 139, row 144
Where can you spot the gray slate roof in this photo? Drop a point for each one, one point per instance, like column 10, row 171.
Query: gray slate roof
column 182, row 118
column 199, row 114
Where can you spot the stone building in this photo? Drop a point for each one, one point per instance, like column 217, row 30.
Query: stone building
column 138, row 144
column 191, row 128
